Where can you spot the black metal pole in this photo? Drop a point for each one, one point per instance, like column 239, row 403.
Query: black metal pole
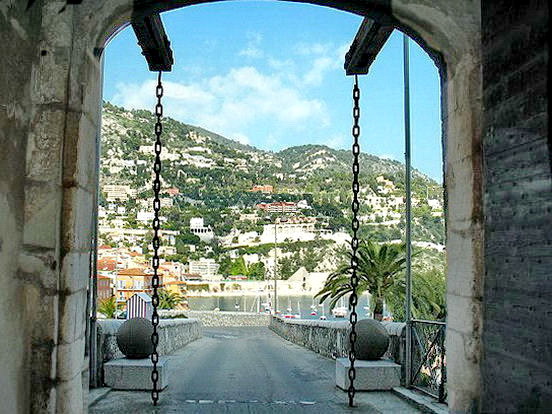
column 408, row 218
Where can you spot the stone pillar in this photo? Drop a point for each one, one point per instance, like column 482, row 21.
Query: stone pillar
column 21, row 340
column 517, row 362
column 453, row 29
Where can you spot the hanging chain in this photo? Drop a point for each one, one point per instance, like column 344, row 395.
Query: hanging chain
column 355, row 205
column 156, row 239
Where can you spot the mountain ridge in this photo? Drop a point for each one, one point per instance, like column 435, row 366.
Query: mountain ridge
column 289, row 156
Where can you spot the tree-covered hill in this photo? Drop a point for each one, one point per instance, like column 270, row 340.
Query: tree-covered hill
column 214, row 173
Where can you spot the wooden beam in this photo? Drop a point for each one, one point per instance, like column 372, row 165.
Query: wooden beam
column 368, row 42
column 153, row 40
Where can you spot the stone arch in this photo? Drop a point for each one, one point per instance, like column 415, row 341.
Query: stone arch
column 64, row 97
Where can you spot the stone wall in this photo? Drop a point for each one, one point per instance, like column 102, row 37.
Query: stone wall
column 517, row 361
column 173, row 335
column 20, row 287
column 213, row 318
column 331, row 338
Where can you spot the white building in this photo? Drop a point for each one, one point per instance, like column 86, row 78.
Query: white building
column 292, row 231
column 248, row 238
column 278, row 207
column 163, row 202
column 137, row 236
column 145, row 216
column 118, row 192
column 249, row 217
column 434, row 204
column 197, row 227
column 303, row 204
column 207, row 268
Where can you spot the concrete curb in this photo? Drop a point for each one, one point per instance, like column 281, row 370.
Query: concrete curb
column 423, row 402
column 96, row 394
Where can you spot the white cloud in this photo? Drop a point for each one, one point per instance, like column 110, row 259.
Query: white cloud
column 231, row 103
column 241, row 138
column 245, row 99
column 337, row 141
column 307, row 49
column 324, row 57
column 252, row 48
column 320, row 66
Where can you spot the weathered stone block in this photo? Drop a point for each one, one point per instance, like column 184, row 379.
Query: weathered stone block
column 75, row 271
column 462, row 319
column 73, row 317
column 44, row 149
column 73, row 362
column 134, row 374
column 80, row 152
column 78, row 212
column 70, row 396
column 42, row 202
column 39, row 269
column 370, row 375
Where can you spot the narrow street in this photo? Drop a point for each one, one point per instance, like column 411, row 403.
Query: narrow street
column 249, row 370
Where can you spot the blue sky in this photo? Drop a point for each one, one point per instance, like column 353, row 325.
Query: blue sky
column 270, row 74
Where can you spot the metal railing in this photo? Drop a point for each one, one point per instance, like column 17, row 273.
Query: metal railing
column 428, row 359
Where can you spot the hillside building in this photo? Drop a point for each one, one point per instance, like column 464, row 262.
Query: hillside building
column 278, row 207
column 118, row 192
column 173, row 191
column 177, row 286
column 105, row 290
column 292, row 230
column 253, row 217
column 136, row 236
column 206, row 268
column 135, row 280
column 267, row 189
column 198, row 227
column 164, row 202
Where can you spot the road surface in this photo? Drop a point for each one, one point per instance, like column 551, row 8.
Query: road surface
column 249, row 370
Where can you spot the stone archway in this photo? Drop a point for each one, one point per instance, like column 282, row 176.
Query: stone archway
column 53, row 205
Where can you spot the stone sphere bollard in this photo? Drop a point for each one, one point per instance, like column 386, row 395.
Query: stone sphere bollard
column 134, row 338
column 372, row 339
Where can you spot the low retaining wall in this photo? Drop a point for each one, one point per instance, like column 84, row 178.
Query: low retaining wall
column 331, row 338
column 328, row 338
column 173, row 335
column 217, row 318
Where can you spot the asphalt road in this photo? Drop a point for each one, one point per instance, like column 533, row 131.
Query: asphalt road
column 249, row 370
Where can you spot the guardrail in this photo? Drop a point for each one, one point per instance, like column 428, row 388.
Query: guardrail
column 428, row 359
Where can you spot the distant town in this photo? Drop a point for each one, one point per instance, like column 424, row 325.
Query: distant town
column 235, row 218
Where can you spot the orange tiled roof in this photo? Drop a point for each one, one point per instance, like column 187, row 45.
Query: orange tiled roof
column 107, row 264
column 103, row 277
column 137, row 271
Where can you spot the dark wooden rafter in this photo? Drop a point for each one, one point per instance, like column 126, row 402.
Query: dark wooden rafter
column 153, row 40
column 368, row 42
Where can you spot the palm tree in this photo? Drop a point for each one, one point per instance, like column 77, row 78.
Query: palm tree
column 378, row 267
column 428, row 296
column 168, row 300
column 108, row 307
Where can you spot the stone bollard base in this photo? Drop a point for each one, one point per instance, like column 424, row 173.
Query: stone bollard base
column 134, row 374
column 375, row 375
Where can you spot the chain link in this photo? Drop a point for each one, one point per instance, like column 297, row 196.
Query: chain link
column 355, row 206
column 156, row 239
